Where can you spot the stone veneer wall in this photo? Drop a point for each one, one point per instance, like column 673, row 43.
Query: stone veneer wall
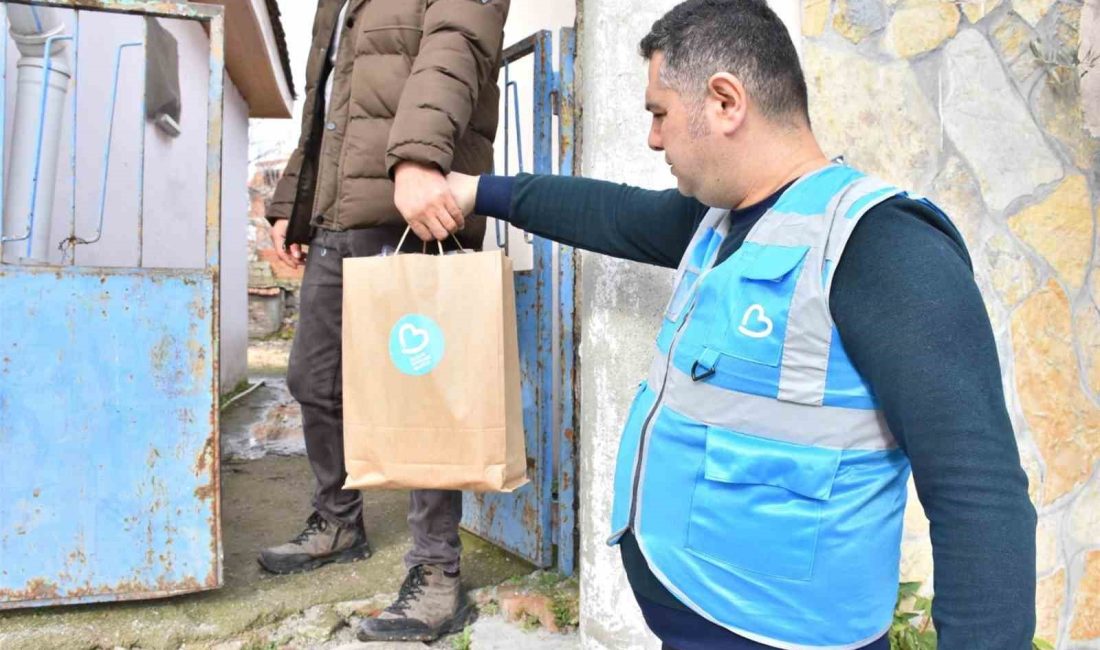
column 978, row 106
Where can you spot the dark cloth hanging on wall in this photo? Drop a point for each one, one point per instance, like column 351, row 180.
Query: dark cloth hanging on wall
column 162, row 76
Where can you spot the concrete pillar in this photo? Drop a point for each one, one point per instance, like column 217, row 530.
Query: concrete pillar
column 620, row 302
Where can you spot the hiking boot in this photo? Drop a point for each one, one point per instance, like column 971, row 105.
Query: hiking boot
column 430, row 604
column 319, row 544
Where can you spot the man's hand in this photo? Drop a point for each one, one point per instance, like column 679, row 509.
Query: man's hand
column 464, row 189
column 293, row 258
column 424, row 199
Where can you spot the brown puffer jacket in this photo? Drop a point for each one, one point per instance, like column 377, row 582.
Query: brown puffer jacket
column 414, row 80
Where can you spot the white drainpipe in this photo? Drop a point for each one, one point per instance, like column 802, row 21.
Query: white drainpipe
column 36, row 132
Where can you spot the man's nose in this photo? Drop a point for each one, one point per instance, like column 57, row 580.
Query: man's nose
column 655, row 140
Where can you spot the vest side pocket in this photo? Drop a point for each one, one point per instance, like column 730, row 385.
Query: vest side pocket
column 758, row 505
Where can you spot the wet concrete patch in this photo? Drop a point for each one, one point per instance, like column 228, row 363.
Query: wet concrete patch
column 265, row 421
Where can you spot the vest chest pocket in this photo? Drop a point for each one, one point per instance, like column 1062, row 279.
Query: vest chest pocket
column 701, row 255
column 759, row 301
column 758, row 505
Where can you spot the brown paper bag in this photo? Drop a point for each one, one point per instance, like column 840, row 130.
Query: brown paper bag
column 431, row 373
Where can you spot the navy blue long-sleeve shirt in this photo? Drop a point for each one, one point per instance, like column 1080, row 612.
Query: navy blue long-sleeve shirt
column 914, row 325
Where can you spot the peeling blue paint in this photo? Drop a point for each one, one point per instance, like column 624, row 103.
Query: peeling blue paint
column 524, row 522
column 106, row 459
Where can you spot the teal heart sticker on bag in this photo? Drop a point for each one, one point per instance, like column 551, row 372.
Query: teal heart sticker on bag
column 416, row 344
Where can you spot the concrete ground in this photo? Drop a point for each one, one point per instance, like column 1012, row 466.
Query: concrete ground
column 266, row 487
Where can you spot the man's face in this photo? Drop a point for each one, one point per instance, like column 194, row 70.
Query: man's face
column 672, row 131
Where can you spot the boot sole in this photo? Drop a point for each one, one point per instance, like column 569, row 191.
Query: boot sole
column 293, row 564
column 465, row 615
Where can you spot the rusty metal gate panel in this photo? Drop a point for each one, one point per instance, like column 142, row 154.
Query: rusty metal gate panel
column 534, row 519
column 107, row 458
column 109, row 485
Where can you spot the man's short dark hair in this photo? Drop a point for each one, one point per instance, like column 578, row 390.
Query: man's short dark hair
column 745, row 38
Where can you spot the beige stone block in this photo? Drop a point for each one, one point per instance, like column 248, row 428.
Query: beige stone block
column 975, row 10
column 916, row 560
column 1090, row 83
column 1011, row 272
column 919, row 26
column 997, row 312
column 855, row 20
column 1012, row 36
column 815, row 15
column 874, row 113
column 1084, row 516
column 1061, row 112
column 988, row 121
column 985, row 287
column 1062, row 115
column 1088, row 340
column 518, row 605
column 916, row 523
column 1034, row 472
column 956, row 191
column 1060, row 228
column 1095, row 282
column 1050, row 599
column 1086, row 602
column 1068, row 25
column 1048, row 550
column 1032, row 10
column 1062, row 419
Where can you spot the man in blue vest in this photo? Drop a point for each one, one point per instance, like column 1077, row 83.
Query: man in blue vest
column 824, row 338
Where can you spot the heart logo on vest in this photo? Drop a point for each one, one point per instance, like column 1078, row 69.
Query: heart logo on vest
column 755, row 323
column 413, row 339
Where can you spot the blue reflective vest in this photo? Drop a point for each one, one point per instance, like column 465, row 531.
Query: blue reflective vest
column 755, row 468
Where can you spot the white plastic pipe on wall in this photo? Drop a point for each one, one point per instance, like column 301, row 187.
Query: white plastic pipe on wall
column 43, row 82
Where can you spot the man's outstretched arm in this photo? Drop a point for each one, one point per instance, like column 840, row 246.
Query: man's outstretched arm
column 628, row 222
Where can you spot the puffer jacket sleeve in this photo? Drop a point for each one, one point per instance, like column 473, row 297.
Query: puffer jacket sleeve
column 459, row 54
column 286, row 190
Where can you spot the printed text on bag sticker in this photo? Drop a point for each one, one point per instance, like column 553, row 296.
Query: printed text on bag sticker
column 416, row 344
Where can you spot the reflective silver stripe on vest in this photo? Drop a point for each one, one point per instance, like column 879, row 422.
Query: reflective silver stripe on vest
column 805, row 363
column 803, row 424
column 714, row 218
column 843, row 225
column 798, row 416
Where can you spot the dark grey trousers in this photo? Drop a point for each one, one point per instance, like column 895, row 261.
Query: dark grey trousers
column 314, row 379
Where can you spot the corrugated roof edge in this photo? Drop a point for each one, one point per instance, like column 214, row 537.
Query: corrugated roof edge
column 280, row 40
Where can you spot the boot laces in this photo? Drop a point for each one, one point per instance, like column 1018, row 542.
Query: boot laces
column 315, row 524
column 410, row 589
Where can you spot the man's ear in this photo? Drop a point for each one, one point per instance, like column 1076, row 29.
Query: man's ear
column 727, row 102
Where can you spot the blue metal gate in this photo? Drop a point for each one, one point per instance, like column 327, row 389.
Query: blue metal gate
column 108, row 405
column 541, row 516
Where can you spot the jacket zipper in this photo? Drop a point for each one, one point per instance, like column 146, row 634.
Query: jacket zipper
column 318, row 183
column 324, row 131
